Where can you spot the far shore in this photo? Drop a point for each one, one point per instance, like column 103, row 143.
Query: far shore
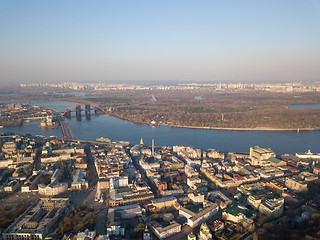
column 245, row 129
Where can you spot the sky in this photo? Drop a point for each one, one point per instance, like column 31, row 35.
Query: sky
column 167, row 40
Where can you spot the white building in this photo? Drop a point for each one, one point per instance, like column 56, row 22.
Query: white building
column 203, row 215
column 119, row 182
column 196, row 198
column 273, row 208
column 308, row 155
column 258, row 154
column 191, row 182
column 52, row 189
column 79, row 183
column 163, row 232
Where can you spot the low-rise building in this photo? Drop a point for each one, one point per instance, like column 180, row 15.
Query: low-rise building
column 204, row 232
column 308, row 155
column 273, row 208
column 196, row 197
column 296, row 183
column 276, row 162
column 165, row 230
column 86, row 235
column 219, row 198
column 165, row 202
column 52, row 189
column 37, row 221
column 79, row 183
column 9, row 147
column 237, row 213
column 217, row 225
column 194, row 219
column 129, row 211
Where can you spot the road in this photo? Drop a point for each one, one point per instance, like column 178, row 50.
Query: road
column 152, row 186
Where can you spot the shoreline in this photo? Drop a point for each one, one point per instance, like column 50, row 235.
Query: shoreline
column 245, row 129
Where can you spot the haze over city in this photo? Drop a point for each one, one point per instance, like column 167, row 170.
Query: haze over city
column 160, row 120
column 235, row 41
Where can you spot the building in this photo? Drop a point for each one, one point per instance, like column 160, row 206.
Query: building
column 296, row 183
column 276, row 162
column 269, row 172
column 79, row 183
column 255, row 200
column 86, row 235
column 316, row 170
column 9, row 147
column 217, row 225
column 146, row 234
column 219, row 198
column 204, row 232
column 165, row 202
column 258, row 154
column 11, row 186
column 308, row 155
column 162, row 186
column 237, row 213
column 127, row 196
column 52, row 189
column 196, row 197
column 164, row 229
column 119, row 182
column 273, row 208
column 191, row 182
column 37, row 221
column 194, row 219
column 129, row 211
column 5, row 163
column 116, row 226
column 191, row 236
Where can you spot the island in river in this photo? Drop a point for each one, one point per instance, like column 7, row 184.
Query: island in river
column 200, row 107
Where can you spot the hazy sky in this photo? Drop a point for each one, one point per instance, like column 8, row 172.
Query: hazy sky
column 240, row 40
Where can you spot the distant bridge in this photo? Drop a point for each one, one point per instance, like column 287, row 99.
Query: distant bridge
column 99, row 110
column 65, row 128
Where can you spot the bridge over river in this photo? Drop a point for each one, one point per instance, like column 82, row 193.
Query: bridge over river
column 66, row 131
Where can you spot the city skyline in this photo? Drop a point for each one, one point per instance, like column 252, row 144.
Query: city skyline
column 185, row 41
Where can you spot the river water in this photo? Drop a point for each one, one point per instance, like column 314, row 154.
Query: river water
column 223, row 140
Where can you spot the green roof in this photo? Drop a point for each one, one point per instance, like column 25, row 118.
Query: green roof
column 243, row 190
column 274, row 160
column 235, row 210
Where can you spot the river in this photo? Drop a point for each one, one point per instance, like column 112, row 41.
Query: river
column 223, row 140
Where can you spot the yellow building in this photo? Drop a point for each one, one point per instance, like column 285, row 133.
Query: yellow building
column 161, row 203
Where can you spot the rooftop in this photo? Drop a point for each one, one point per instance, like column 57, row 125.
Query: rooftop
column 235, row 210
column 275, row 160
